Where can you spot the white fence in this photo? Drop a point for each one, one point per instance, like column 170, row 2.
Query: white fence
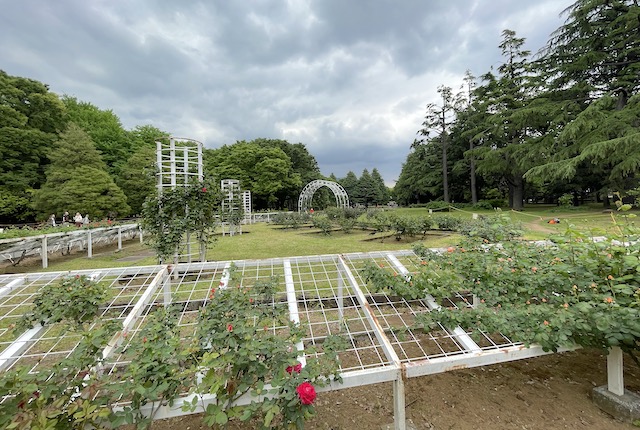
column 13, row 250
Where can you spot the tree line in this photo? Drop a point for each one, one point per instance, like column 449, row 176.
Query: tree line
column 563, row 121
column 62, row 154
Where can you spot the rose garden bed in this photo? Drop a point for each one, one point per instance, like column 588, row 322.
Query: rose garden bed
column 386, row 322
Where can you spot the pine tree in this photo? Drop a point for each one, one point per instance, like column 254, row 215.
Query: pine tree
column 77, row 180
column 382, row 195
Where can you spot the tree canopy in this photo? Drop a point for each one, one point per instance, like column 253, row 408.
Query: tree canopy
column 77, row 180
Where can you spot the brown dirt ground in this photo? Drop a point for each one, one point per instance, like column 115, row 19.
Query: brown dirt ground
column 550, row 392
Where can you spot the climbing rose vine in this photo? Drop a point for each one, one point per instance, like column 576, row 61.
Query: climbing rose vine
column 572, row 291
column 168, row 217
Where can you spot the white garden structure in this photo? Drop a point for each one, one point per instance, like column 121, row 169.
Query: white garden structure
column 306, row 196
column 325, row 294
column 179, row 163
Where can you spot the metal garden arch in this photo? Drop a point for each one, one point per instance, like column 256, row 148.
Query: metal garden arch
column 306, row 196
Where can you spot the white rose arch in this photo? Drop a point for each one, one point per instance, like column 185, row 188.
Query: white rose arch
column 306, row 196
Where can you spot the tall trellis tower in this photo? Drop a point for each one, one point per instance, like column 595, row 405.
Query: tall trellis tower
column 179, row 163
column 232, row 200
column 246, row 206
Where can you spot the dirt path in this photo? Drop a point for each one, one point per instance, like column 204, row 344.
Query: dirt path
column 545, row 393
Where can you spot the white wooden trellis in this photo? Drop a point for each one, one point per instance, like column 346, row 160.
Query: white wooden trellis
column 179, row 163
column 326, row 294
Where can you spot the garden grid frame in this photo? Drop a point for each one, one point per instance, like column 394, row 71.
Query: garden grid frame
column 326, row 294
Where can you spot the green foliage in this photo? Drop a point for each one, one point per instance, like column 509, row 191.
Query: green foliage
column 168, row 217
column 577, row 291
column 291, row 219
column 265, row 169
column 30, row 117
column 243, row 344
column 137, row 177
column 483, row 204
column 75, row 301
column 157, row 371
column 236, row 352
column 14, row 207
column 68, row 395
column 323, row 223
column 493, row 229
column 104, row 128
column 565, row 200
column 77, row 180
column 447, row 222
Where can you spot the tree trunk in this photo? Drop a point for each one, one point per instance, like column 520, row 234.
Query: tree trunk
column 445, row 176
column 472, row 176
column 517, row 193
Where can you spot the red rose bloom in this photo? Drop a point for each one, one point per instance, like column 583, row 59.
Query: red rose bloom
column 297, row 368
column 229, row 327
column 306, row 392
column 204, row 190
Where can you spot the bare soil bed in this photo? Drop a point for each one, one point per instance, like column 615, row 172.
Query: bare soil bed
column 550, row 392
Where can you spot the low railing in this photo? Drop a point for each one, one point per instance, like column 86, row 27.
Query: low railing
column 15, row 250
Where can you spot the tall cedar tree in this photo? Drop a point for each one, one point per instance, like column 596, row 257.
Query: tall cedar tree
column 596, row 54
column 77, row 180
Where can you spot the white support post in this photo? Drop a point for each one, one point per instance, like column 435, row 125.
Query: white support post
column 615, row 371
column 44, row 252
column 172, row 161
column 16, row 283
column 340, row 296
column 21, row 344
column 89, row 245
column 159, row 166
column 399, row 408
column 385, row 344
column 292, row 302
column 166, row 288
column 119, row 238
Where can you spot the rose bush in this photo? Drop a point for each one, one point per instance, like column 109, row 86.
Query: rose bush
column 572, row 291
column 237, row 351
column 75, row 300
column 241, row 344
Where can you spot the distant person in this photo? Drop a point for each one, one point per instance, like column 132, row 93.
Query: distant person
column 52, row 220
column 77, row 218
column 65, row 218
column 85, row 220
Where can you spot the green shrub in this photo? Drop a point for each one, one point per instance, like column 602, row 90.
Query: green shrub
column 323, row 223
column 494, row 228
column 483, row 204
column 447, row 222
column 291, row 219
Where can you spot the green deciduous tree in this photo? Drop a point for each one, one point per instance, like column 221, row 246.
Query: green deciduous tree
column 137, row 177
column 104, row 128
column 264, row 170
column 30, row 117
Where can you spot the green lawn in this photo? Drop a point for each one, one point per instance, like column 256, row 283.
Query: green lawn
column 263, row 240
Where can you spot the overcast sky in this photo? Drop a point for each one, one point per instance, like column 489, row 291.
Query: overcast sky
column 350, row 79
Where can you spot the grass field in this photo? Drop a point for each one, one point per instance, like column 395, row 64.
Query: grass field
column 265, row 240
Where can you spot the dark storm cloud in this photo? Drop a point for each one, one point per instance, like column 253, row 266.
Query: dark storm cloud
column 349, row 79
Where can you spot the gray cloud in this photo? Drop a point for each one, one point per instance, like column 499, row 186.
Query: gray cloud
column 348, row 79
